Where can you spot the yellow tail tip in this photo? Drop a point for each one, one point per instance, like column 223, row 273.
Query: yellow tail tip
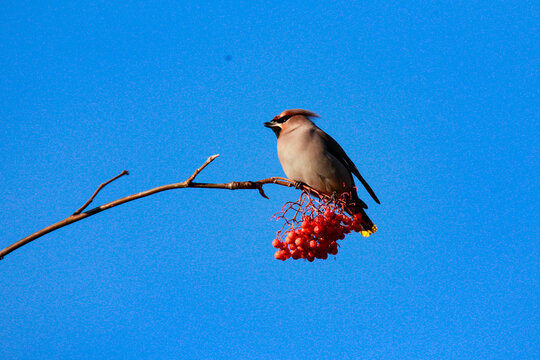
column 366, row 233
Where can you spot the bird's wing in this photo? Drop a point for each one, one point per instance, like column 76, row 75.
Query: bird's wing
column 336, row 150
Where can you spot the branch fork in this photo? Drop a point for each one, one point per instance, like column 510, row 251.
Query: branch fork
column 188, row 183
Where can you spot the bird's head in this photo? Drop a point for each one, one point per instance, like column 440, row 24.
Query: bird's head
column 289, row 119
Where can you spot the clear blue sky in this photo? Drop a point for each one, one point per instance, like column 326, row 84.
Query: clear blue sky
column 436, row 103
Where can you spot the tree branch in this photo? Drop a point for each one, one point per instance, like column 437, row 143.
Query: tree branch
column 125, row 172
column 188, row 183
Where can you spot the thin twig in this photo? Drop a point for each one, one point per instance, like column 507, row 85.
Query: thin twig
column 125, row 172
column 188, row 183
column 206, row 163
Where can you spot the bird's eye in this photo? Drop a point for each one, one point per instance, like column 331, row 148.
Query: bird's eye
column 283, row 119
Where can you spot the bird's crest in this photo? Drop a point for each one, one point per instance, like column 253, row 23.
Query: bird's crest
column 292, row 112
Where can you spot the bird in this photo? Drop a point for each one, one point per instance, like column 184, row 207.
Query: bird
column 310, row 156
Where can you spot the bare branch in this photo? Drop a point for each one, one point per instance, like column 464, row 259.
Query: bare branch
column 125, row 172
column 208, row 161
column 188, row 183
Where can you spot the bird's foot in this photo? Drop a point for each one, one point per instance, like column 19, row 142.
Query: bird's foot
column 298, row 184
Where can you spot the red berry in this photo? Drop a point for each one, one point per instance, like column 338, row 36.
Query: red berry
column 276, row 243
column 328, row 213
column 280, row 255
column 321, row 254
column 330, row 231
column 323, row 243
column 300, row 241
column 290, row 237
column 333, row 248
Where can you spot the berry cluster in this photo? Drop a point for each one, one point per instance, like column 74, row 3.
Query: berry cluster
column 316, row 234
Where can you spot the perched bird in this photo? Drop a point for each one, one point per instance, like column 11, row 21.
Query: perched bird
column 312, row 157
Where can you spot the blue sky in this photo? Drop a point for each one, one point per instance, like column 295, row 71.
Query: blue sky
column 437, row 103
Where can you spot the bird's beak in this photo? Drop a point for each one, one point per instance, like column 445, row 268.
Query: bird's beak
column 274, row 126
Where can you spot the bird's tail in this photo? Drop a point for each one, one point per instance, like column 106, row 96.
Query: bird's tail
column 368, row 226
column 356, row 208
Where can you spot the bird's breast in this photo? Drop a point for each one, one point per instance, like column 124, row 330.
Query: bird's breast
column 304, row 157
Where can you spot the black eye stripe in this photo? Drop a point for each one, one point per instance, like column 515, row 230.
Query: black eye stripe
column 283, row 119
